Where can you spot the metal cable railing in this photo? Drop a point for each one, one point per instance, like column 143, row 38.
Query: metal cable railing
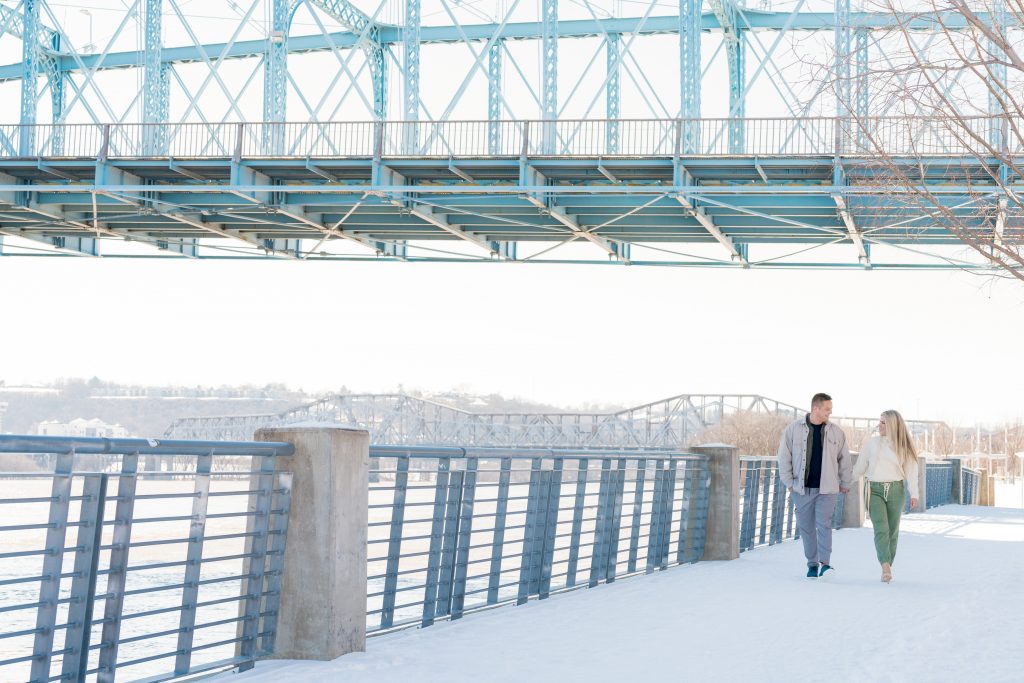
column 785, row 136
column 139, row 575
column 456, row 530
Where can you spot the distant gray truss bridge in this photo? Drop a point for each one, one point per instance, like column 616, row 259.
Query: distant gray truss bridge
column 397, row 419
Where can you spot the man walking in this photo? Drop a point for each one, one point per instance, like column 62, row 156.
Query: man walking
column 814, row 465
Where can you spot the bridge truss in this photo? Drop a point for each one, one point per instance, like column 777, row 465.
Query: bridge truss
column 489, row 131
column 398, row 419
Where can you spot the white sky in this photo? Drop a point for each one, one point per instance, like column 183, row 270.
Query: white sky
column 933, row 345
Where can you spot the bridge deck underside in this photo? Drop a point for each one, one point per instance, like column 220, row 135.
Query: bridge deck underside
column 482, row 203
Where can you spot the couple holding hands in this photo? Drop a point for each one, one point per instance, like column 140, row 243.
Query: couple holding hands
column 815, row 466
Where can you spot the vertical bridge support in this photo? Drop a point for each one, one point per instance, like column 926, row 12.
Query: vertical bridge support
column 853, row 504
column 722, row 540
column 155, row 84
column 689, row 75
column 275, row 79
column 323, row 585
column 549, row 70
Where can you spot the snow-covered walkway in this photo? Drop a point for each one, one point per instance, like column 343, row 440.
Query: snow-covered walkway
column 954, row 612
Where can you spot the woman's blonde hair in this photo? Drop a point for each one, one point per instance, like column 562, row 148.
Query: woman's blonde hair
column 899, row 438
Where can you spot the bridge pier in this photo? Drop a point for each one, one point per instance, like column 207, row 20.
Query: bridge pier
column 322, row 612
column 722, row 541
column 853, row 502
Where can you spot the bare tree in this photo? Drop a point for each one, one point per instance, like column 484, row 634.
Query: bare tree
column 752, row 433
column 935, row 105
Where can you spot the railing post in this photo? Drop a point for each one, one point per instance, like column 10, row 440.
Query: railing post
column 722, row 541
column 322, row 611
column 986, row 488
column 239, row 140
column 104, row 152
column 49, row 585
column 83, row 586
column 853, row 505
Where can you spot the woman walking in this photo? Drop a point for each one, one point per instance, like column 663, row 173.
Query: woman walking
column 888, row 460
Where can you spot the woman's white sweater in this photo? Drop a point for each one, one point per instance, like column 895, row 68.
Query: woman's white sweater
column 879, row 462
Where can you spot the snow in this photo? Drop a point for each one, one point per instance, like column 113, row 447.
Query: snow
column 952, row 613
column 1010, row 494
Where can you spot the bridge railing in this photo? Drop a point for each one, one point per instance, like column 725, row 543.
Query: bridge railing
column 456, row 530
column 110, row 571
column 767, row 513
column 939, row 484
column 809, row 136
column 970, row 486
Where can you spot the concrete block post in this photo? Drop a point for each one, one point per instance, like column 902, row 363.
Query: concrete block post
column 853, row 505
column 986, row 489
column 323, row 586
column 956, row 496
column 723, row 531
column 922, row 484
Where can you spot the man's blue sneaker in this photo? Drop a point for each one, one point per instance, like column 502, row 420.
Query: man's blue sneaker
column 825, row 568
column 812, row 571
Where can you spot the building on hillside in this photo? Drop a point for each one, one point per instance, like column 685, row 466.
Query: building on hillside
column 81, row 427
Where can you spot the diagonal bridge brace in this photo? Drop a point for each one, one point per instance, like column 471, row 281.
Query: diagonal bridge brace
column 388, row 176
column 683, row 178
column 530, row 176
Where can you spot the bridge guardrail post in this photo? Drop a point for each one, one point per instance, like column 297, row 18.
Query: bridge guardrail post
column 853, row 505
column 986, row 488
column 322, row 613
column 722, row 541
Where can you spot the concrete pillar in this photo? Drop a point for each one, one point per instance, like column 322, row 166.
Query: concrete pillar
column 922, row 484
column 723, row 532
column 986, row 489
column 956, row 494
column 323, row 585
column 853, row 507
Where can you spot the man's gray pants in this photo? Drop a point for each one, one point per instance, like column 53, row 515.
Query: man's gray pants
column 814, row 522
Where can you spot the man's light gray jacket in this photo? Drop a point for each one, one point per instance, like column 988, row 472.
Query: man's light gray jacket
column 836, row 464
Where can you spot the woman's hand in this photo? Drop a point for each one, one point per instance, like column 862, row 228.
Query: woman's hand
column 913, row 503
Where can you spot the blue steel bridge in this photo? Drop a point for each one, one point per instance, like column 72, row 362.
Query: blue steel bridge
column 414, row 131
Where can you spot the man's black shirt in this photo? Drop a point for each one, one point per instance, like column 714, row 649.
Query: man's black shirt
column 814, row 471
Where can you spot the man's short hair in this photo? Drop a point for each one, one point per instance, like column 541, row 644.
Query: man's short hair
column 819, row 399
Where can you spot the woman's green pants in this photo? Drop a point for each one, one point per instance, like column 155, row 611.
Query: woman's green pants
column 885, row 508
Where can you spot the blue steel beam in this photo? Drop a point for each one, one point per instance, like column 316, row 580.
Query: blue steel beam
column 862, row 99
column 411, row 51
column 30, row 71
column 727, row 14
column 614, row 62
column 494, row 94
column 689, row 29
column 155, row 82
column 549, row 72
column 275, row 76
column 999, row 90
column 367, row 34
column 841, row 60
column 385, row 35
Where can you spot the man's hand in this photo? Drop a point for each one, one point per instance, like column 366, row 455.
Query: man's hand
column 790, row 489
column 843, row 490
column 913, row 503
